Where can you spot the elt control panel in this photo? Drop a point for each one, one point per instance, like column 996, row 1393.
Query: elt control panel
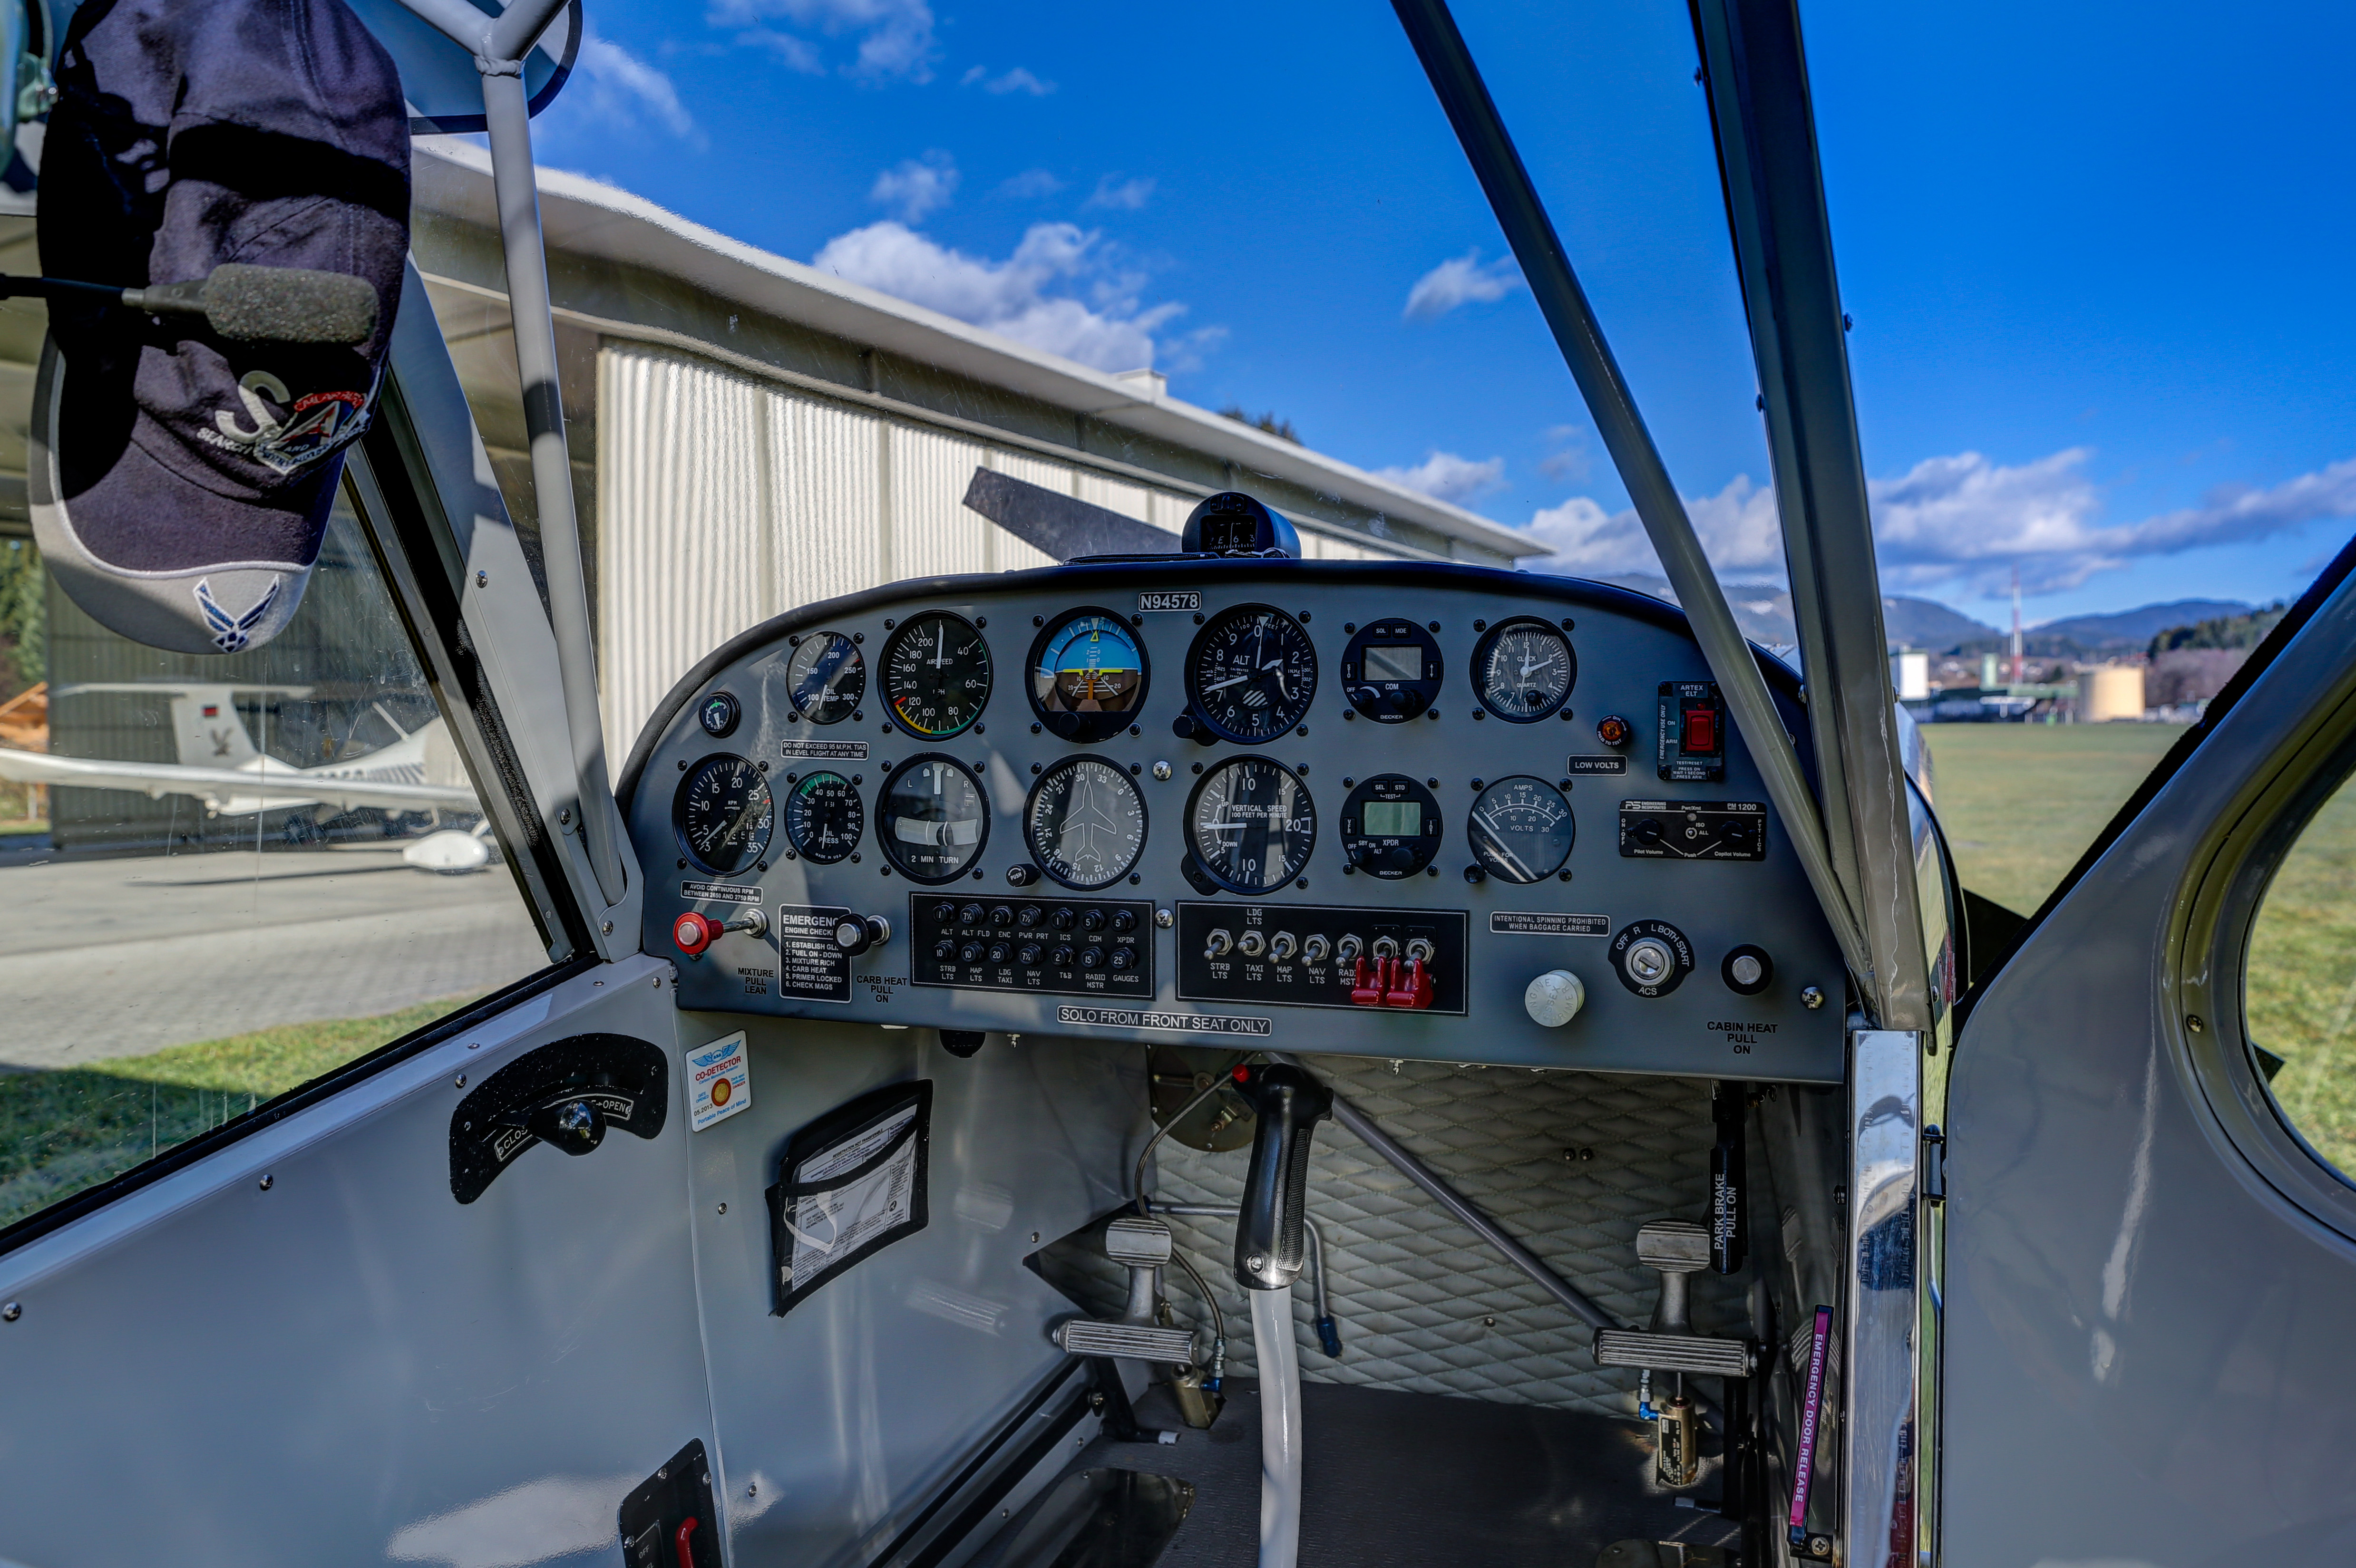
column 1379, row 808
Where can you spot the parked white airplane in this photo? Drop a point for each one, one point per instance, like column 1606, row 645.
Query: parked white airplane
column 221, row 767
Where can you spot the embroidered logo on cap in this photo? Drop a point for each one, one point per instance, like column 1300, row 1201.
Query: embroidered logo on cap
column 232, row 633
column 322, row 423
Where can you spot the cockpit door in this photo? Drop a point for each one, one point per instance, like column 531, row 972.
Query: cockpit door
column 2148, row 1255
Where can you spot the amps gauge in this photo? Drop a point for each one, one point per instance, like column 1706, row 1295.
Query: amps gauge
column 723, row 814
column 936, row 674
column 1085, row 823
column 1390, row 827
column 1251, row 674
column 932, row 819
column 1521, row 829
column 1391, row 671
column 826, row 679
column 1087, row 676
column 1250, row 827
column 1523, row 669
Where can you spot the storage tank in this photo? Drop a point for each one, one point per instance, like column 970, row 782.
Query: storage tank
column 2114, row 691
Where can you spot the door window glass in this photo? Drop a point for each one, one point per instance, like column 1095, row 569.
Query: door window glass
column 178, row 945
column 2300, row 995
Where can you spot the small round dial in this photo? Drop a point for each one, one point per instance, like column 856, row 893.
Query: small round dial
column 723, row 813
column 1087, row 676
column 1391, row 671
column 932, row 819
column 936, row 674
column 1251, row 824
column 1390, row 827
column 827, row 677
column 1086, row 823
column 1523, row 669
column 824, row 818
column 1521, row 829
column 1251, row 674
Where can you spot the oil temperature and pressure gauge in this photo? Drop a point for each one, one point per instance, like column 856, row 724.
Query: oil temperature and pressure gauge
column 1087, row 676
column 1250, row 827
column 1251, row 674
column 824, row 816
column 933, row 819
column 1523, row 669
column 1521, row 829
column 723, row 814
column 936, row 674
column 826, row 678
column 1390, row 827
column 1086, row 823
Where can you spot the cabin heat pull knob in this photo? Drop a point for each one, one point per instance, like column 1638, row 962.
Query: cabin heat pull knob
column 694, row 931
column 1554, row 999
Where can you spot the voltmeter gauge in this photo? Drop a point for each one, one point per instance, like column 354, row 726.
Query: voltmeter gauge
column 1521, row 829
column 1251, row 674
column 1087, row 676
column 1390, row 827
column 1523, row 669
column 827, row 677
column 1251, row 824
column 933, row 819
column 1086, row 823
column 723, row 814
column 1391, row 671
column 824, row 818
column 936, row 674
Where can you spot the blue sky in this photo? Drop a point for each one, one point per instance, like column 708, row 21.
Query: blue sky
column 2097, row 256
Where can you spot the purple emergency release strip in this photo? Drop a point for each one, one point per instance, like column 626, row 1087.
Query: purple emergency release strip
column 1810, row 1409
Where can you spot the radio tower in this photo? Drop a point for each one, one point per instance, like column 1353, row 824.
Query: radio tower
column 2016, row 623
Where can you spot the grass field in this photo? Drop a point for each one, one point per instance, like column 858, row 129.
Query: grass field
column 2301, row 990
column 63, row 1131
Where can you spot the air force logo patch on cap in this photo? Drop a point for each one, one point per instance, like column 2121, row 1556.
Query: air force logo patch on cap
column 233, row 633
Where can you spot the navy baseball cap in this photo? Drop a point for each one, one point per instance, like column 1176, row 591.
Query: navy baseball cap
column 180, row 481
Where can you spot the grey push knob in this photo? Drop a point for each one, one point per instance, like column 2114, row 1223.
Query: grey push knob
column 1554, row 999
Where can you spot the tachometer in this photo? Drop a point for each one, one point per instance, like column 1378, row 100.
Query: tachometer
column 1251, row 824
column 933, row 819
column 1087, row 676
column 722, row 812
column 936, row 674
column 1523, row 669
column 1086, row 823
column 1251, row 674
column 824, row 816
column 826, row 679
column 1521, row 829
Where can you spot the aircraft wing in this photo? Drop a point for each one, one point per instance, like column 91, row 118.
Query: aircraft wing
column 234, row 790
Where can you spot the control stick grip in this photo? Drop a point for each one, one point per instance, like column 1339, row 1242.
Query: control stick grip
column 1271, row 1227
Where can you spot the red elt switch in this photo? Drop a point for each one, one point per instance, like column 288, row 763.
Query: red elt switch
column 1701, row 728
column 693, row 932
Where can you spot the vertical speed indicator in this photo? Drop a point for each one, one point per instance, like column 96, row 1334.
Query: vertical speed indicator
column 1251, row 824
column 936, row 674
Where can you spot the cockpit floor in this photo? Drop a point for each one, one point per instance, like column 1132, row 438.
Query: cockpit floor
column 1394, row 1480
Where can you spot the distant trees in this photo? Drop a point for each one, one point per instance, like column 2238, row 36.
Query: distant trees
column 2223, row 631
column 24, row 610
column 1280, row 428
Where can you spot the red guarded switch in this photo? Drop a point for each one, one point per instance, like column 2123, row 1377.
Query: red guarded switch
column 1701, row 729
column 1366, row 982
column 1410, row 986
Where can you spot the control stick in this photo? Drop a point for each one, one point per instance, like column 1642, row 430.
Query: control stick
column 1271, row 1243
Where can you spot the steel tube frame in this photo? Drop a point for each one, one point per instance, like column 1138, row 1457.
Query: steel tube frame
column 1531, row 235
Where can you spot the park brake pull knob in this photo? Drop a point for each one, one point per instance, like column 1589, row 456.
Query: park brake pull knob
column 1273, row 1225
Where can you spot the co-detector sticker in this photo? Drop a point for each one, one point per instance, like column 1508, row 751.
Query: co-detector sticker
column 718, row 1084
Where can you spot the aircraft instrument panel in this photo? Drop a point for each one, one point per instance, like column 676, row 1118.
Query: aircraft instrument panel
column 1389, row 809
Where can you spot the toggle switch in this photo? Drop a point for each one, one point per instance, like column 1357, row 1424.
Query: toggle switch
column 1554, row 999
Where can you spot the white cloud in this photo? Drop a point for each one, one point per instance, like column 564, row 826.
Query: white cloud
column 1461, row 279
column 1444, row 476
column 895, row 38
column 1568, row 460
column 1018, row 79
column 1113, row 330
column 613, row 87
column 1031, row 184
column 916, row 186
column 795, row 54
column 1126, row 196
column 1737, row 527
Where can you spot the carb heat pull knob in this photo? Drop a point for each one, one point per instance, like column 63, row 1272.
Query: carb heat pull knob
column 855, row 933
column 1554, row 999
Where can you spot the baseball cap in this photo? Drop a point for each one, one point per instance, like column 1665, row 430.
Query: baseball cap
column 180, row 481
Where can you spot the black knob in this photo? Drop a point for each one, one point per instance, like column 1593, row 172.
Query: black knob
column 1121, row 958
column 1648, row 831
column 1402, row 858
column 1028, row 916
column 944, row 949
column 855, row 933
column 576, row 1126
column 998, row 952
column 1062, row 918
column 1092, row 958
column 1093, row 921
column 969, row 954
column 1028, row 956
column 969, row 915
column 1124, row 920
column 1003, row 915
column 1475, row 874
column 1061, row 958
column 1021, row 876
